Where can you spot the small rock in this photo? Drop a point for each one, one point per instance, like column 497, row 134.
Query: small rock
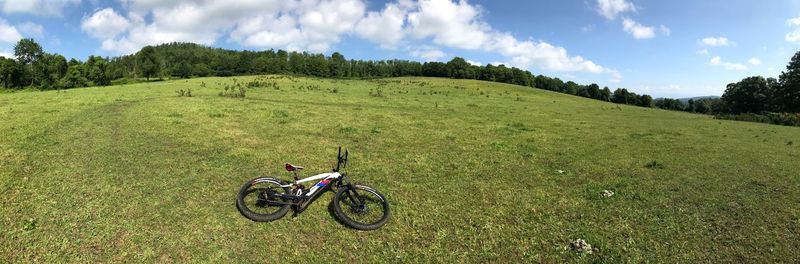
column 607, row 193
column 581, row 246
column 560, row 171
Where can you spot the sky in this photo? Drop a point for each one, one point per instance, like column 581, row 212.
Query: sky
column 679, row 48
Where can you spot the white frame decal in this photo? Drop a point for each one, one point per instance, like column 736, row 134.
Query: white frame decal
column 323, row 177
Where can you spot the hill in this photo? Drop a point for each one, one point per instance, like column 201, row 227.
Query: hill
column 686, row 100
column 475, row 172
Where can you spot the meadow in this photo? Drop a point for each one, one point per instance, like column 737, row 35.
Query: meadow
column 474, row 171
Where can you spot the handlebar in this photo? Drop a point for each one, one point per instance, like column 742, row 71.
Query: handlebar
column 341, row 160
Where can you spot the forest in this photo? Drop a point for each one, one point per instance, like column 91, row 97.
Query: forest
column 755, row 98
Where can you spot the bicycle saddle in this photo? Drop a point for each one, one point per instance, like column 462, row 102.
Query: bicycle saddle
column 290, row 167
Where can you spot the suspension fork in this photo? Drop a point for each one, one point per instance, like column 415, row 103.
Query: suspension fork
column 350, row 189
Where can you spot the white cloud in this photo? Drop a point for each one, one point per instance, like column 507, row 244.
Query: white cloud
column 37, row 7
column 312, row 25
column 717, row 61
column 31, row 29
column 793, row 37
column 269, row 31
column 702, row 52
column 665, row 30
column 428, row 53
column 105, row 24
column 638, row 30
column 754, row 61
column 449, row 23
column 385, row 27
column 616, row 77
column 474, row 63
column 611, row 8
column 716, row 42
column 459, row 25
column 529, row 53
column 8, row 33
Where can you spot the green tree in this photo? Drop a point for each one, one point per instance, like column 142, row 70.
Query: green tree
column 317, row 65
column 297, row 63
column 10, row 73
column 183, row 70
column 570, row 87
column 97, row 71
column 48, row 70
column 645, row 101
column 670, row 104
column 201, row 69
column 593, row 91
column 750, row 95
column 703, row 106
column 147, row 62
column 787, row 93
column 282, row 61
column 338, row 65
column 620, row 96
column 459, row 68
column 28, row 52
column 605, row 94
column 74, row 77
column 434, row 69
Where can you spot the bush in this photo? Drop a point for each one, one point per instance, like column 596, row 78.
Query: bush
column 236, row 91
column 258, row 83
column 378, row 93
column 654, row 165
column 182, row 93
column 784, row 119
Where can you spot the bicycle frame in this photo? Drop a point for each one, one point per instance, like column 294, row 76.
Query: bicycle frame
column 327, row 179
column 301, row 199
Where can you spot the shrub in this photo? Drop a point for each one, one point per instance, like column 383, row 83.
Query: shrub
column 785, row 119
column 347, row 130
column 182, row 93
column 235, row 91
column 378, row 93
column 280, row 113
column 654, row 165
column 257, row 83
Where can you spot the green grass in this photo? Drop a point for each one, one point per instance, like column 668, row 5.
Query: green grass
column 471, row 170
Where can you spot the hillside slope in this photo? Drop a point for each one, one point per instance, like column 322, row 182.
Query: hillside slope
column 475, row 172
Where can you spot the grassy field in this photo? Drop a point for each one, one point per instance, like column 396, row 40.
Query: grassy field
column 475, row 172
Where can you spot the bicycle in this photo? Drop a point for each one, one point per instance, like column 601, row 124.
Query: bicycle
column 265, row 199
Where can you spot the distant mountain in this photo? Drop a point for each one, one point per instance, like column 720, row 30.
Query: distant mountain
column 686, row 100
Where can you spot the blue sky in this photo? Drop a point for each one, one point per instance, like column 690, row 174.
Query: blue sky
column 663, row 48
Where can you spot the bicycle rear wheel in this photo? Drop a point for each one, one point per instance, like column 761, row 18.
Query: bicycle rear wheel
column 258, row 202
column 361, row 207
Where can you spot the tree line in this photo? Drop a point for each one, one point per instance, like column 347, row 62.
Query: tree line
column 33, row 67
column 766, row 100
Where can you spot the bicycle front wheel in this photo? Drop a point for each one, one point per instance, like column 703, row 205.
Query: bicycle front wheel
column 361, row 207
